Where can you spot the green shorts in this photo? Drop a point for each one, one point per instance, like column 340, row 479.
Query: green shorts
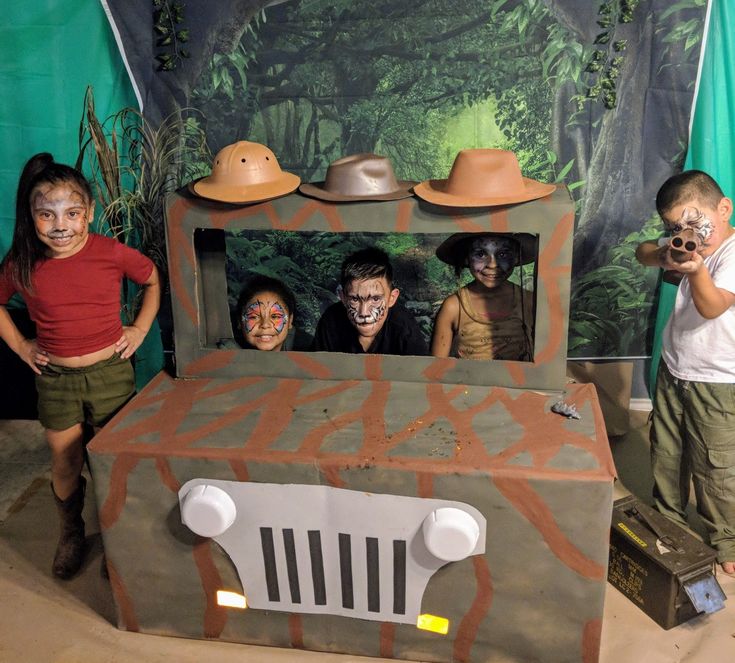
column 93, row 394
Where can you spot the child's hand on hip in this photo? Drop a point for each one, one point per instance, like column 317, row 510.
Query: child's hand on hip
column 32, row 355
column 130, row 341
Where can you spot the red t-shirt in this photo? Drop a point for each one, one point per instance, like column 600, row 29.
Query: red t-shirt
column 75, row 301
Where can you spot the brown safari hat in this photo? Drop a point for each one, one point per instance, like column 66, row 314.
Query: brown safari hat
column 453, row 250
column 357, row 177
column 245, row 172
column 483, row 178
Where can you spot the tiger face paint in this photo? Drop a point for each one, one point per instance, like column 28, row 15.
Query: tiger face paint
column 366, row 303
column 711, row 224
column 691, row 218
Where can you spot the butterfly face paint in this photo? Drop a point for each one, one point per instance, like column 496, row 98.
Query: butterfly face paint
column 265, row 321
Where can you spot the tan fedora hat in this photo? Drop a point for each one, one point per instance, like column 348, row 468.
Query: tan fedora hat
column 453, row 250
column 245, row 172
column 357, row 177
column 483, row 178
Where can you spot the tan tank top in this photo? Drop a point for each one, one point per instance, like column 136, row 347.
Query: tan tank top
column 501, row 338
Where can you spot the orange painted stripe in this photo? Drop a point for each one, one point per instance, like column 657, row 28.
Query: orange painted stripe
column 240, row 470
column 181, row 250
column 517, row 372
column 307, row 210
column 436, row 370
column 331, row 474
column 403, row 215
column 373, row 367
column 312, row 366
column 210, row 362
column 167, row 476
column 466, row 225
column 499, row 222
column 387, row 637
column 296, row 631
column 273, row 420
column 470, row 624
column 425, row 484
column 215, row 616
column 531, row 506
column 551, row 276
column 112, row 508
column 122, row 599
column 221, row 217
column 591, row 639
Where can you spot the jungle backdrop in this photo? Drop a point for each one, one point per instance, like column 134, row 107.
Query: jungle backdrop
column 596, row 95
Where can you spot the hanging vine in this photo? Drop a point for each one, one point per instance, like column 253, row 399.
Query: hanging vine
column 608, row 54
column 168, row 19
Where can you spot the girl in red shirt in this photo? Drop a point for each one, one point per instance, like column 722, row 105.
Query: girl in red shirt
column 70, row 280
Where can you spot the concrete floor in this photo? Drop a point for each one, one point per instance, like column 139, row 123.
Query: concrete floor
column 48, row 621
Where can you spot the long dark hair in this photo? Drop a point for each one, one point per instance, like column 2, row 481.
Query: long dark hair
column 26, row 249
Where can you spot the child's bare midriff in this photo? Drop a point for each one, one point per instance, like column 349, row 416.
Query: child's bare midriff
column 80, row 361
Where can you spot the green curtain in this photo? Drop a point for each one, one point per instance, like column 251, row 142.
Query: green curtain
column 50, row 50
column 712, row 138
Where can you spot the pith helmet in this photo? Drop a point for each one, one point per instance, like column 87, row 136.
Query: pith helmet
column 245, row 172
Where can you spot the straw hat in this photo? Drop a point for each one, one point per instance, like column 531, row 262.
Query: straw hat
column 453, row 250
column 359, row 177
column 245, row 172
column 482, row 178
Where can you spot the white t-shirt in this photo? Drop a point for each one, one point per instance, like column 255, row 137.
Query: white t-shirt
column 696, row 348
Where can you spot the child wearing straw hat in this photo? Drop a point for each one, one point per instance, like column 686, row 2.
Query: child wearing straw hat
column 490, row 318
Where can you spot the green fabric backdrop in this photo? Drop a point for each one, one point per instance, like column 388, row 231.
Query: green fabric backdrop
column 50, row 50
column 712, row 141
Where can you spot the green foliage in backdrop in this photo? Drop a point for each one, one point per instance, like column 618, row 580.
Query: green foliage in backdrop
column 309, row 264
column 614, row 303
column 318, row 79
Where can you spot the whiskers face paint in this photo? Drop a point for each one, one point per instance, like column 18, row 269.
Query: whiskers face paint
column 61, row 216
column 366, row 303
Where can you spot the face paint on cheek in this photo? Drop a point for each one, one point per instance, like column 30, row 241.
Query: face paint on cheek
column 698, row 221
column 352, row 311
column 281, row 319
column 374, row 313
column 251, row 316
column 477, row 263
column 705, row 228
column 492, row 254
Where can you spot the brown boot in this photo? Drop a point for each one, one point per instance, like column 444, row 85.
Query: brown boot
column 70, row 550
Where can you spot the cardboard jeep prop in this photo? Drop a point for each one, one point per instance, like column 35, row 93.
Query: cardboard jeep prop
column 404, row 507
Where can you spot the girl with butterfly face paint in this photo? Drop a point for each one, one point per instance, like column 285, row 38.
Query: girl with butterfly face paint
column 266, row 313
